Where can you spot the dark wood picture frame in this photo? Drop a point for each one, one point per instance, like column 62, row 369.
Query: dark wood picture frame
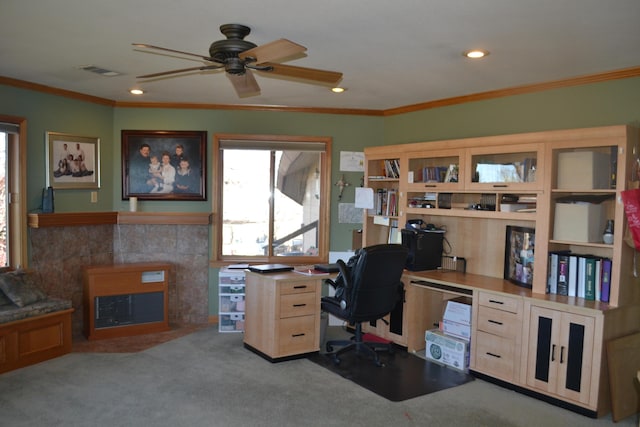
column 145, row 181
column 518, row 255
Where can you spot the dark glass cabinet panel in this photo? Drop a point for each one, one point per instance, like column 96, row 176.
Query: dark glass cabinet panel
column 574, row 357
column 543, row 349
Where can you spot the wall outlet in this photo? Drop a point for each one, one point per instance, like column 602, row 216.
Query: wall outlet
column 94, row 197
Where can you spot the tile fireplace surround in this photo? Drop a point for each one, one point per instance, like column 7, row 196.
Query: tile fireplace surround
column 63, row 244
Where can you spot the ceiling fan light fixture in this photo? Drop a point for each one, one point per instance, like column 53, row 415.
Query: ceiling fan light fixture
column 136, row 91
column 476, row 53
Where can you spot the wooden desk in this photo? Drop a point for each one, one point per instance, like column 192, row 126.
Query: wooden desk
column 282, row 314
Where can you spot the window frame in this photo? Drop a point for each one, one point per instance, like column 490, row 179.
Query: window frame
column 218, row 259
column 17, row 194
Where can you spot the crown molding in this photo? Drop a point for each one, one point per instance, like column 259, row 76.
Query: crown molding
column 500, row 93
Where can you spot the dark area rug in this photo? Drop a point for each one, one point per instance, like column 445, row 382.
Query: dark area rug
column 403, row 375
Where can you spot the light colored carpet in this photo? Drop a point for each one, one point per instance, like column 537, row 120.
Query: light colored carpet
column 209, row 379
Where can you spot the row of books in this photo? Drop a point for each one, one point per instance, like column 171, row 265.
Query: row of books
column 385, row 202
column 579, row 275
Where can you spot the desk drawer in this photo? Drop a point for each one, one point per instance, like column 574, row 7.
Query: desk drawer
column 297, row 335
column 298, row 304
column 297, row 287
column 498, row 322
column 495, row 356
column 500, row 302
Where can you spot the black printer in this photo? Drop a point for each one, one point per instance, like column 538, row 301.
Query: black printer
column 425, row 244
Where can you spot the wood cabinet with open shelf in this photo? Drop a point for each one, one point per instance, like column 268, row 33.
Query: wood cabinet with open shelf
column 477, row 233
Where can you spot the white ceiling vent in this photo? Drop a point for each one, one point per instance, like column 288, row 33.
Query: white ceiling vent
column 99, row 70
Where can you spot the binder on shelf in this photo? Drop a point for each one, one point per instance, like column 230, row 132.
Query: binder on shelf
column 573, row 276
column 563, row 274
column 606, row 280
column 590, row 279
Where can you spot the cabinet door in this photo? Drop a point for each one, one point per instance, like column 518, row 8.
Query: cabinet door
column 575, row 357
column 505, row 167
column 561, row 353
column 435, row 170
column 544, row 335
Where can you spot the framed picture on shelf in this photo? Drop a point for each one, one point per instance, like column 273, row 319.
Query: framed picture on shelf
column 72, row 161
column 518, row 255
column 164, row 165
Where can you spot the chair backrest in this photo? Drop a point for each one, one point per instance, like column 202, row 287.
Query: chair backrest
column 375, row 282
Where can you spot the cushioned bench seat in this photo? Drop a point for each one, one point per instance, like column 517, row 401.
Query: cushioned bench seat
column 33, row 327
column 11, row 313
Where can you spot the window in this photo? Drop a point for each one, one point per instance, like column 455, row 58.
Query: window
column 271, row 202
column 13, row 215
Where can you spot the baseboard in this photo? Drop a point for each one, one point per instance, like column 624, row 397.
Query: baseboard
column 551, row 400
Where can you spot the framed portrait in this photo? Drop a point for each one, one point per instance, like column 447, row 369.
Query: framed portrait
column 164, row 165
column 518, row 255
column 72, row 161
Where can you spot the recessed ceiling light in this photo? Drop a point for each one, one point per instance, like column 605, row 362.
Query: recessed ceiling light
column 136, row 91
column 337, row 89
column 476, row 53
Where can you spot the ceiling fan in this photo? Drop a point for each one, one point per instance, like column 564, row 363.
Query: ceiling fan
column 240, row 57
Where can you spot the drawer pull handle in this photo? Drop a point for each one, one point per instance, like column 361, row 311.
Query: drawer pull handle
column 494, row 355
column 299, row 286
column 297, row 335
column 493, row 301
column 495, row 322
column 500, row 185
column 299, row 305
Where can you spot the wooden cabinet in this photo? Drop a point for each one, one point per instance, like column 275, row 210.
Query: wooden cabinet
column 529, row 169
column 496, row 341
column 561, row 354
column 510, row 168
column 125, row 299
column 282, row 314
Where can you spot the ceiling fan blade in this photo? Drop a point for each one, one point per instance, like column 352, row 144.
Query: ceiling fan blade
column 150, row 46
column 273, row 51
column 304, row 73
column 183, row 70
column 244, row 84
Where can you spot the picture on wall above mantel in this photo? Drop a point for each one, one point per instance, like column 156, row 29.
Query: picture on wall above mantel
column 73, row 162
column 164, row 165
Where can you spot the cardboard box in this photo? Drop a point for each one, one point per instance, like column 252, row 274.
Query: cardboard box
column 447, row 350
column 457, row 330
column 584, row 170
column 579, row 222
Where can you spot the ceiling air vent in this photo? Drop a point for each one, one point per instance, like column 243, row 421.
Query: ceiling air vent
column 99, row 70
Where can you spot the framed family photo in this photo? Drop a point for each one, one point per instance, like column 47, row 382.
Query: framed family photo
column 164, row 165
column 72, row 161
column 518, row 255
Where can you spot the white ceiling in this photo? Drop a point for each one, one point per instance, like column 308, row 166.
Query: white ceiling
column 392, row 54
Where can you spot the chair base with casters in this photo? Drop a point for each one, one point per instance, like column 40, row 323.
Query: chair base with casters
column 357, row 344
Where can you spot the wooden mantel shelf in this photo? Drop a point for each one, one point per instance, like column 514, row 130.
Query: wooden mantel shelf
column 40, row 220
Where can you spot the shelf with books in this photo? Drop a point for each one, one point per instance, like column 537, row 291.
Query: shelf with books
column 435, row 170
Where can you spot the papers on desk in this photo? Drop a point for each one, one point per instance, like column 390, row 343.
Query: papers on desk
column 311, row 272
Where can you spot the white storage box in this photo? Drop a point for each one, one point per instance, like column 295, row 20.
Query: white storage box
column 447, row 350
column 584, row 170
column 457, row 330
column 579, row 222
column 458, row 312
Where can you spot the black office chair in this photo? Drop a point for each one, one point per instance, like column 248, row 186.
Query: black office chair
column 371, row 289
